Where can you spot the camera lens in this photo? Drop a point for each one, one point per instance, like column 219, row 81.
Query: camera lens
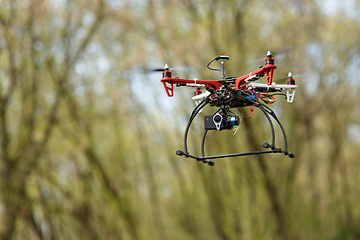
column 217, row 118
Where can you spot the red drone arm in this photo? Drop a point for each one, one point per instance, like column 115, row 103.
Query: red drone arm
column 268, row 69
column 169, row 82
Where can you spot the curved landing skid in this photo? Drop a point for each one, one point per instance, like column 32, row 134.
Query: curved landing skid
column 269, row 114
column 207, row 159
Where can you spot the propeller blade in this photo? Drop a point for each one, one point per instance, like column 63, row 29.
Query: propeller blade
column 177, row 68
column 278, row 55
column 158, row 69
column 165, row 68
column 283, row 79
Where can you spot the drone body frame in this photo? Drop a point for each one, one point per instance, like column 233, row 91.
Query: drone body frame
column 231, row 92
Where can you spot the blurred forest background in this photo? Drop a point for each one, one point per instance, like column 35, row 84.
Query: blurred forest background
column 88, row 135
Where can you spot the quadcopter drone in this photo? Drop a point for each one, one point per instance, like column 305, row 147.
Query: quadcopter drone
column 230, row 93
